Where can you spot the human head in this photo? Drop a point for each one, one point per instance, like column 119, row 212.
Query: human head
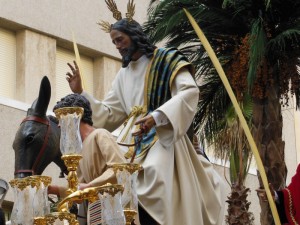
column 77, row 100
column 139, row 42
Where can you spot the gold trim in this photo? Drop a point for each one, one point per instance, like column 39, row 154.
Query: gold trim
column 52, row 217
column 291, row 207
column 129, row 215
column 44, row 179
column 68, row 110
column 20, row 183
column 147, row 79
column 130, row 167
column 175, row 73
column 39, row 221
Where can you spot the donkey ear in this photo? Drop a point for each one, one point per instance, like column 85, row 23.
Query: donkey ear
column 42, row 102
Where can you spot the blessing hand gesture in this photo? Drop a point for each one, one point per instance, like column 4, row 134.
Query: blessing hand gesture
column 74, row 78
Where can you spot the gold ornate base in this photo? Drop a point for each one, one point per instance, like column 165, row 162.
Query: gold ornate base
column 129, row 215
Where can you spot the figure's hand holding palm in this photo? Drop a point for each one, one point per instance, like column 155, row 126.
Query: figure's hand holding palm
column 146, row 124
column 263, row 195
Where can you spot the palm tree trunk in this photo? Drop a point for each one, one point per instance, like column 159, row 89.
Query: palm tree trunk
column 238, row 206
column 267, row 133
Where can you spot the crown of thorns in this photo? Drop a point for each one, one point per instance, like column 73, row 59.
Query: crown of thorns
column 111, row 5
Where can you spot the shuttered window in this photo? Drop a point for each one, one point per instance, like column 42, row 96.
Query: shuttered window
column 63, row 57
column 7, row 63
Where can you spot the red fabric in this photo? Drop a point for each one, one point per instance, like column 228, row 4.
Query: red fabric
column 294, row 190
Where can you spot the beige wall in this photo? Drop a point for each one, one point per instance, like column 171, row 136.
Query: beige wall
column 59, row 18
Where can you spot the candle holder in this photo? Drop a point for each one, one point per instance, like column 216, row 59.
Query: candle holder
column 70, row 142
column 30, row 199
column 111, row 205
column 110, row 201
column 126, row 174
column 41, row 204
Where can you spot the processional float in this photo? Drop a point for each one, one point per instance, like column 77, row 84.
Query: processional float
column 118, row 202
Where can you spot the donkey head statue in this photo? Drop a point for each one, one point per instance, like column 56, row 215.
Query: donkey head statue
column 37, row 140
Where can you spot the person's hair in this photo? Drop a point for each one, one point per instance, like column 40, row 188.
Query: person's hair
column 135, row 31
column 77, row 100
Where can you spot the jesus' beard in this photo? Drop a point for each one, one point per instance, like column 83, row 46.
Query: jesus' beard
column 126, row 59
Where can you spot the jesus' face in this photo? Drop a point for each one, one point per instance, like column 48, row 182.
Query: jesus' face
column 126, row 47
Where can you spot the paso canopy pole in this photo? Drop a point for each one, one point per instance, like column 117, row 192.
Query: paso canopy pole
column 238, row 110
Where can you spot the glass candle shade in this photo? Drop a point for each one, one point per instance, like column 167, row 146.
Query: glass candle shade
column 30, row 199
column 111, row 205
column 126, row 174
column 69, row 120
column 22, row 212
column 41, row 205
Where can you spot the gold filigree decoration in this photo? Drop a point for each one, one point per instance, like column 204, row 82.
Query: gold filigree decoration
column 32, row 181
column 112, row 6
column 105, row 26
column 20, row 183
column 130, row 167
column 130, row 10
column 39, row 221
column 68, row 110
column 52, row 217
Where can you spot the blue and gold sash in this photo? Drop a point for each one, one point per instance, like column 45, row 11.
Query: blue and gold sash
column 164, row 66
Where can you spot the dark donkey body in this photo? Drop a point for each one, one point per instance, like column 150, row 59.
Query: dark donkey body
column 36, row 143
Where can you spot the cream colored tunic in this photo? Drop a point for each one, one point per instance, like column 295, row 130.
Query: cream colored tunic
column 99, row 149
column 175, row 188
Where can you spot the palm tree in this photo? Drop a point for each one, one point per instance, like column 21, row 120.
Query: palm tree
column 258, row 45
column 232, row 143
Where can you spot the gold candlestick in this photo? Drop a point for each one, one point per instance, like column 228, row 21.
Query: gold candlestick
column 70, row 142
column 72, row 162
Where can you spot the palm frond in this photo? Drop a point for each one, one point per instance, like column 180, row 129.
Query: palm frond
column 257, row 50
column 290, row 37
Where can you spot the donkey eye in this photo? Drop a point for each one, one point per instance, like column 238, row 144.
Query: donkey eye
column 29, row 139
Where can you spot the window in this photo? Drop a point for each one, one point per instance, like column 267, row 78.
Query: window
column 63, row 57
column 7, row 63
